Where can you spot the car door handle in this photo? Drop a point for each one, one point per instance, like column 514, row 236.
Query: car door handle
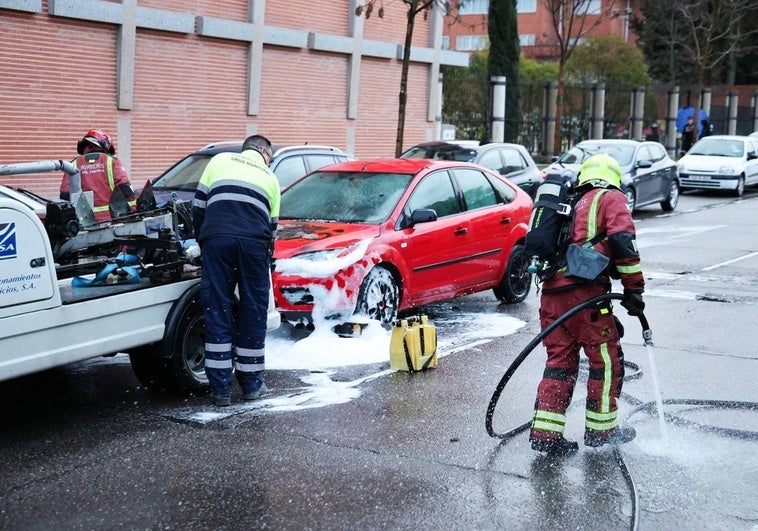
column 460, row 230
column 505, row 221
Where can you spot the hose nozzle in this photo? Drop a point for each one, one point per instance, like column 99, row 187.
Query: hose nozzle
column 647, row 336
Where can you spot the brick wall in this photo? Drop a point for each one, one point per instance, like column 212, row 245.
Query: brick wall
column 58, row 78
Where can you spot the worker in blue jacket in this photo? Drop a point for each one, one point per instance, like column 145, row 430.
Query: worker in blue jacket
column 235, row 213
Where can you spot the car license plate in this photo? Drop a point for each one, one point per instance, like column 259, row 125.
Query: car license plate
column 700, row 177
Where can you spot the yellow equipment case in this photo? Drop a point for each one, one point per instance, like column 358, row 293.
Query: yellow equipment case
column 413, row 345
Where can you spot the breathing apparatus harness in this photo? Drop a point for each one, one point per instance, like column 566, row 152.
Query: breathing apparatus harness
column 550, row 227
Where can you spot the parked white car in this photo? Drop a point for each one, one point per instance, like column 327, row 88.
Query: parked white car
column 720, row 162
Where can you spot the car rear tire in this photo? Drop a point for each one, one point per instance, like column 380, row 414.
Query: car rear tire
column 379, row 296
column 517, row 281
column 672, row 200
column 631, row 199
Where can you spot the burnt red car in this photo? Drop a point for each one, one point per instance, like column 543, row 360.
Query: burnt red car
column 378, row 238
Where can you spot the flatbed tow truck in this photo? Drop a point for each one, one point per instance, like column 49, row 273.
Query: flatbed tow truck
column 72, row 288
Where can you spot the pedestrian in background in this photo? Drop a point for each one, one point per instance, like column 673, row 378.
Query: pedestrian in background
column 688, row 135
column 235, row 213
column 602, row 218
column 101, row 173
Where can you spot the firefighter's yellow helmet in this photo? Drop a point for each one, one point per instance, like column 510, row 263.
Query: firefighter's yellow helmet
column 600, row 167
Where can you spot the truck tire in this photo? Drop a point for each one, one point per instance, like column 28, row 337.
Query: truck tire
column 177, row 364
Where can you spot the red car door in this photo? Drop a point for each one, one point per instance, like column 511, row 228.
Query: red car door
column 490, row 227
column 438, row 252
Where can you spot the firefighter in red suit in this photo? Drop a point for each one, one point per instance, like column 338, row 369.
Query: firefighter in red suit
column 101, row 172
column 601, row 209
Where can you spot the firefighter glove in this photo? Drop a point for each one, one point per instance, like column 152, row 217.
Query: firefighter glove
column 633, row 303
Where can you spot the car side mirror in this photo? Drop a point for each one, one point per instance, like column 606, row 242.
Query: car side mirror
column 423, row 215
column 644, row 164
column 752, row 155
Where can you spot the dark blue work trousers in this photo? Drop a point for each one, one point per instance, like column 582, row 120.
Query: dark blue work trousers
column 235, row 347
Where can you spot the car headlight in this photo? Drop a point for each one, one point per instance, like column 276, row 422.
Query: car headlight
column 323, row 263
column 728, row 170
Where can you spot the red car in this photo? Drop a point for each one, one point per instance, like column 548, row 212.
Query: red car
column 376, row 238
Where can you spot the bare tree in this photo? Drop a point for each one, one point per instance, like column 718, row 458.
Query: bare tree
column 571, row 21
column 716, row 30
column 415, row 7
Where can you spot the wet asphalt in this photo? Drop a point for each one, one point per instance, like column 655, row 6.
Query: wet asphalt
column 86, row 447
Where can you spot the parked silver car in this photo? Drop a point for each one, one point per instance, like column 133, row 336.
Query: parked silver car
column 289, row 163
column 512, row 161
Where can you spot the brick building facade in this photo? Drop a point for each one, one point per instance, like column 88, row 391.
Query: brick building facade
column 164, row 77
column 467, row 30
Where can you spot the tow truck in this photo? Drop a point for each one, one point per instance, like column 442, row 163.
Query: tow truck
column 72, row 288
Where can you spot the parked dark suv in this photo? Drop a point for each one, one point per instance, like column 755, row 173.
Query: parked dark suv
column 289, row 164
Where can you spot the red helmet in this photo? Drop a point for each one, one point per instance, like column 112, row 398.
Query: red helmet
column 97, row 138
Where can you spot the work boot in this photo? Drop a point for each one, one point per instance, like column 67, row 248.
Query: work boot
column 618, row 435
column 221, row 400
column 555, row 447
column 262, row 390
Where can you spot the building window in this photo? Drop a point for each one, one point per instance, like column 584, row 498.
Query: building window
column 470, row 43
column 589, row 7
column 526, row 6
column 446, row 42
column 474, row 7
column 527, row 40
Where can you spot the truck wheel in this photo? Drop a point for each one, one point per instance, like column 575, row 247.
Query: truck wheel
column 177, row 364
column 186, row 366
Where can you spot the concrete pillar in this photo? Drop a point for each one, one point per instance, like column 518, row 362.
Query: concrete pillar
column 671, row 111
column 550, row 105
column 498, row 108
column 438, row 112
column 732, row 99
column 705, row 101
column 597, row 107
column 638, row 112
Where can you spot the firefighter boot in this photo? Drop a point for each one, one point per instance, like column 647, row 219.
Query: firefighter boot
column 618, row 435
column 555, row 447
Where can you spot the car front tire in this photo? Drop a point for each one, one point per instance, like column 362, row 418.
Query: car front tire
column 631, row 199
column 740, row 186
column 379, row 296
column 672, row 200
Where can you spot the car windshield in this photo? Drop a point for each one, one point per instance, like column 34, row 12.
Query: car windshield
column 440, row 153
column 718, row 147
column 580, row 152
column 354, row 197
column 185, row 175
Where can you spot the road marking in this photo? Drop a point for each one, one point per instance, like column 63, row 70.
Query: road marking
column 653, row 236
column 733, row 260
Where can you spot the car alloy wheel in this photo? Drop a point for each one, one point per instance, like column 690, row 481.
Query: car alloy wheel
column 379, row 296
column 672, row 200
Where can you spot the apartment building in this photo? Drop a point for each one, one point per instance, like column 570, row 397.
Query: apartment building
column 468, row 31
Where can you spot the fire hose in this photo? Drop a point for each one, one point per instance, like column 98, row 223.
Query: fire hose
column 639, row 405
